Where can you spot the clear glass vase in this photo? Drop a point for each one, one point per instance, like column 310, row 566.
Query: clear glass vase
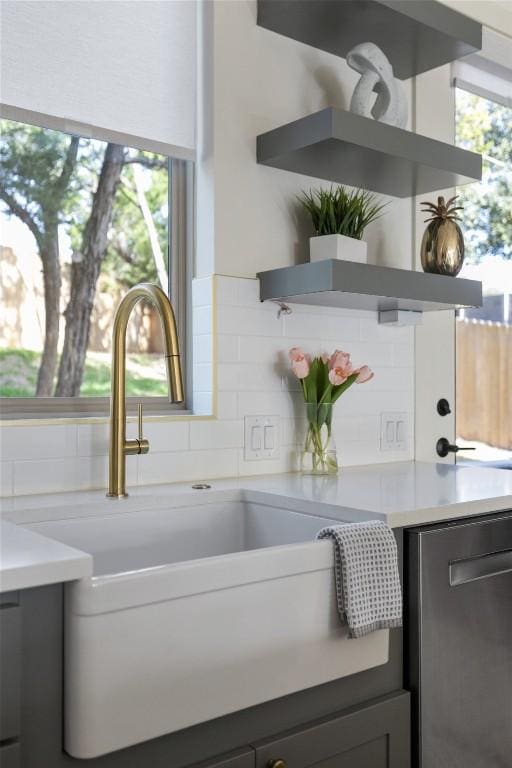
column 319, row 454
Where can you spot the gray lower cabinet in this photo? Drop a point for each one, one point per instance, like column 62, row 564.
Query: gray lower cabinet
column 10, row 756
column 372, row 736
column 243, row 758
column 10, row 680
column 361, row 721
column 10, row 666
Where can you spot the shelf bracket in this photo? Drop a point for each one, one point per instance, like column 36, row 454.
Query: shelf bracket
column 400, row 317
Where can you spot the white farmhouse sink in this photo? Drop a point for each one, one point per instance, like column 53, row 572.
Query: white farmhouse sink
column 194, row 612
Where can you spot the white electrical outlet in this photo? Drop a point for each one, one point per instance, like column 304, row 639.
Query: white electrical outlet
column 261, row 437
column 394, row 426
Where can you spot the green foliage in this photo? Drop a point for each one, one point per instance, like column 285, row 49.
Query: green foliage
column 485, row 127
column 33, row 188
column 19, row 368
column 317, row 388
column 31, row 161
column 338, row 212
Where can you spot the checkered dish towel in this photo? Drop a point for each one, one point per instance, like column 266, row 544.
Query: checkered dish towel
column 368, row 592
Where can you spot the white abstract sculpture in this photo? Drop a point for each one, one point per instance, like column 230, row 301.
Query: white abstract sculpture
column 376, row 77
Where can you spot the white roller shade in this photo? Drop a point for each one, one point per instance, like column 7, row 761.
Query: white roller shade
column 125, row 68
column 488, row 73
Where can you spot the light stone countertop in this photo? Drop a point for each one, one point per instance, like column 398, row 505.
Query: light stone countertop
column 400, row 493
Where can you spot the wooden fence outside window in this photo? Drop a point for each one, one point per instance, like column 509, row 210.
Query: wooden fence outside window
column 484, row 382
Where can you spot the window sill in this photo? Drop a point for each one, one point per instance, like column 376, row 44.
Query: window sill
column 35, row 421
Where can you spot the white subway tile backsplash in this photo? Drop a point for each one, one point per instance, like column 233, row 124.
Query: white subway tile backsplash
column 188, row 465
column 394, row 379
column 203, row 377
column 202, row 292
column 203, row 403
column 371, row 330
column 6, row 478
column 374, row 354
column 66, row 474
column 243, row 377
column 249, row 293
column 286, row 405
column 248, row 321
column 167, row 436
column 92, row 439
column 320, row 326
column 227, row 405
column 227, row 290
column 240, row 362
column 264, row 349
column 287, row 461
column 202, row 348
column 202, row 321
column 403, row 354
column 216, row 434
column 227, row 349
column 29, row 442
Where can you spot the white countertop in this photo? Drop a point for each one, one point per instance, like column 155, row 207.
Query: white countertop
column 400, row 493
column 30, row 560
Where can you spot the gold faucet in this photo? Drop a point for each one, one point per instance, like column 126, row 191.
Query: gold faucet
column 119, row 446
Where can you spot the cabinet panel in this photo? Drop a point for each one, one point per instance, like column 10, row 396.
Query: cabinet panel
column 10, row 670
column 10, row 756
column 377, row 734
column 240, row 759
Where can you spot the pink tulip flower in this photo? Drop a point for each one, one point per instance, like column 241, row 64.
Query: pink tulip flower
column 337, row 376
column 300, row 362
column 340, row 359
column 364, row 374
column 340, row 367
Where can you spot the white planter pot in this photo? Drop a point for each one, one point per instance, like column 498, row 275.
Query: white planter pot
column 337, row 247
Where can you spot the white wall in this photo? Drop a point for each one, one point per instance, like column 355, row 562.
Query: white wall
column 123, row 67
column 252, row 378
column 262, row 80
column 256, row 81
column 496, row 14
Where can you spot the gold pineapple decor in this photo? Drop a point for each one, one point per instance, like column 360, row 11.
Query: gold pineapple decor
column 442, row 246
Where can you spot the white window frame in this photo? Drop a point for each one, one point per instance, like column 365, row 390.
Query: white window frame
column 181, row 218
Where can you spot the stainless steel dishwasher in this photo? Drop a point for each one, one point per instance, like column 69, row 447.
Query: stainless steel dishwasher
column 459, row 642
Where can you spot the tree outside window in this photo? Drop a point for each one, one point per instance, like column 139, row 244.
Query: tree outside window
column 82, row 221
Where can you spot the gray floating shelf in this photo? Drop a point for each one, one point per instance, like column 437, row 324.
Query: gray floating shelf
column 350, row 285
column 343, row 147
column 415, row 36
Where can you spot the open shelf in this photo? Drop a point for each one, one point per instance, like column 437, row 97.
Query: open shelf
column 350, row 285
column 343, row 147
column 415, row 36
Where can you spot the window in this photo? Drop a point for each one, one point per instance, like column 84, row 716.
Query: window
column 484, row 336
column 82, row 221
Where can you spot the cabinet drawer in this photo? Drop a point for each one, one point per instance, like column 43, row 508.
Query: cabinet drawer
column 242, row 758
column 10, row 670
column 376, row 734
column 10, row 756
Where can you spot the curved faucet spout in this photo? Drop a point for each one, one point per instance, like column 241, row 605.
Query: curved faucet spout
column 119, row 446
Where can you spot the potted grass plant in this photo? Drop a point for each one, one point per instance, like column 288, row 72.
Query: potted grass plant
column 339, row 218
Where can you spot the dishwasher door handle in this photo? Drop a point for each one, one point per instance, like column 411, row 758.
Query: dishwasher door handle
column 482, row 567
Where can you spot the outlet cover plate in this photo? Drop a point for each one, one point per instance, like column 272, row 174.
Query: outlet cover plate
column 394, row 427
column 261, row 437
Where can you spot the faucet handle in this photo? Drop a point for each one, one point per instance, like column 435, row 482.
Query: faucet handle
column 143, row 443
